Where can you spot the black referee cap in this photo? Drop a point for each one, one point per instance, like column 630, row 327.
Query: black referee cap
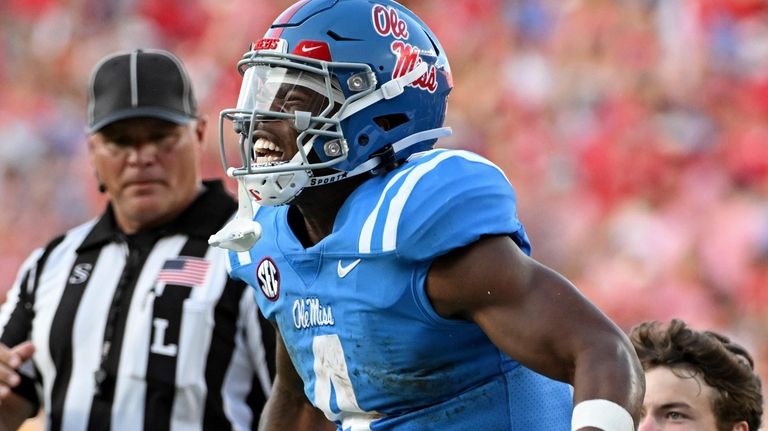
column 142, row 83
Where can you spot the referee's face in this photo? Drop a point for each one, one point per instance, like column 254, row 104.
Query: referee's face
column 149, row 167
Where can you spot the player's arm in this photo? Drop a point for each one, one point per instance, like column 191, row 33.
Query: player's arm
column 14, row 409
column 539, row 318
column 287, row 407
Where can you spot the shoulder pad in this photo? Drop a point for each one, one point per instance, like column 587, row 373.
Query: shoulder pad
column 441, row 201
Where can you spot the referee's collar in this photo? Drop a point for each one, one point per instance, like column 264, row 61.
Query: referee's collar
column 210, row 210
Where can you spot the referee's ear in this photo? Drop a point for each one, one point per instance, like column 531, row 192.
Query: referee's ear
column 201, row 126
column 90, row 142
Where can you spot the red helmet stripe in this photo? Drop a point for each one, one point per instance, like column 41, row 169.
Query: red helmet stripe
column 289, row 13
column 284, row 18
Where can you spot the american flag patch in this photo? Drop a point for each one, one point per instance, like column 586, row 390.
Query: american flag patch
column 185, row 271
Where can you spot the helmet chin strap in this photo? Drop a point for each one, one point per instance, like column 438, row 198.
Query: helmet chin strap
column 332, row 178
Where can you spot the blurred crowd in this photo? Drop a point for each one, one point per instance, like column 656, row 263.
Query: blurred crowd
column 634, row 131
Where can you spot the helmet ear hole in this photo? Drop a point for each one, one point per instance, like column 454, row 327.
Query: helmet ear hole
column 389, row 122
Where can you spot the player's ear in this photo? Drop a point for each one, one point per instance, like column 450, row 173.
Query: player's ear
column 741, row 426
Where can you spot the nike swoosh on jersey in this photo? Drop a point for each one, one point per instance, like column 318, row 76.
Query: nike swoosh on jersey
column 343, row 270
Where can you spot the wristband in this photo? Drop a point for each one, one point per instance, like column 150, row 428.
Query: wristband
column 603, row 414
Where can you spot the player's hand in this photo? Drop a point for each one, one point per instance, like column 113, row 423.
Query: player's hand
column 10, row 360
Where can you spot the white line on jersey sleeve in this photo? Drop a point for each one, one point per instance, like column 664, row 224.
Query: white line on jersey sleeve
column 398, row 202
column 366, row 235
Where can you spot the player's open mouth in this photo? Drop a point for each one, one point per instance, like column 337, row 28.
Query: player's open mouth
column 267, row 151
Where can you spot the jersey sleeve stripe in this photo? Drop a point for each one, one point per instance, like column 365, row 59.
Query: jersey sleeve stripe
column 398, row 202
column 366, row 235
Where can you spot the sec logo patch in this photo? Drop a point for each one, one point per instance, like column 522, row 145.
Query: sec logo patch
column 269, row 278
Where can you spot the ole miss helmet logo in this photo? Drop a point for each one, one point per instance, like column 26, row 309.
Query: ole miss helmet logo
column 387, row 23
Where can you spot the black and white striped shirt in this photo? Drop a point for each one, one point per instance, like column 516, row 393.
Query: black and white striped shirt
column 142, row 332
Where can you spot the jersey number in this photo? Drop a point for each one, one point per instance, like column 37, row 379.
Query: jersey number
column 332, row 376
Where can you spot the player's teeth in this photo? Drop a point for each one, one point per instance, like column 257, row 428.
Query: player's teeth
column 261, row 144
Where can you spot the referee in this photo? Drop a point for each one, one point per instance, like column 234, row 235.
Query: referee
column 129, row 321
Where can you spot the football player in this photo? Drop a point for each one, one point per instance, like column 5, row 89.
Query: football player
column 398, row 275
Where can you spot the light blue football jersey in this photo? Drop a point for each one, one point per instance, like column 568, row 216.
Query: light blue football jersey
column 356, row 320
